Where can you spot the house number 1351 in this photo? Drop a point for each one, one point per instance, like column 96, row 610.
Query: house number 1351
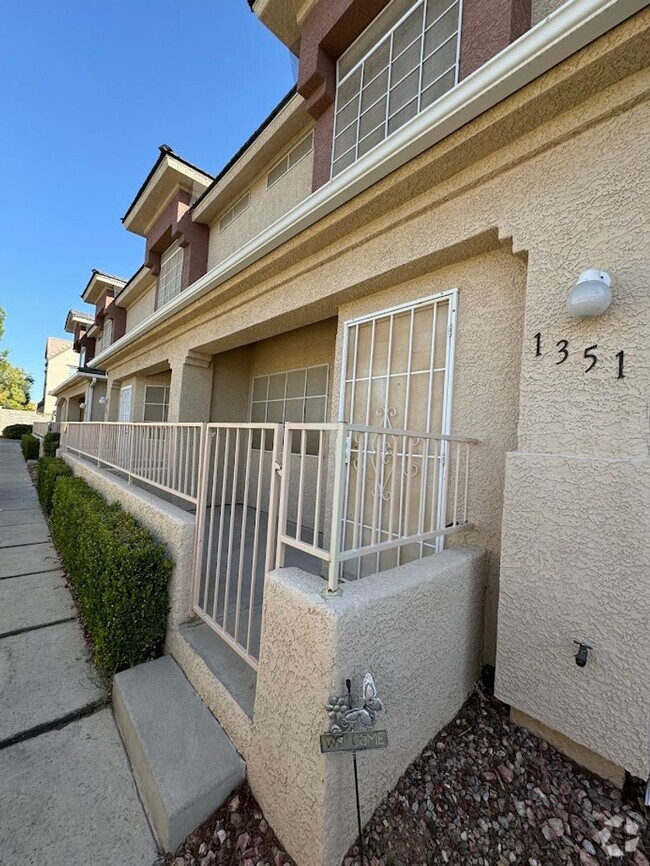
column 589, row 354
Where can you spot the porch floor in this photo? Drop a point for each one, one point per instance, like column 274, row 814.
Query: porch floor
column 231, row 590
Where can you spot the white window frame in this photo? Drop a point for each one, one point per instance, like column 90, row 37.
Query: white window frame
column 170, row 276
column 311, row 444
column 230, row 215
column 388, row 35
column 286, row 159
column 107, row 333
column 164, row 404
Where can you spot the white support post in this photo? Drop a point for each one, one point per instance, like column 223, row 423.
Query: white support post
column 338, row 498
column 99, row 445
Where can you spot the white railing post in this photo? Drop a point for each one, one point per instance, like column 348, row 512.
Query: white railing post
column 131, row 431
column 99, row 443
column 338, row 497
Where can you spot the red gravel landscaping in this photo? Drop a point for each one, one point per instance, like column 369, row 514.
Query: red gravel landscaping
column 483, row 793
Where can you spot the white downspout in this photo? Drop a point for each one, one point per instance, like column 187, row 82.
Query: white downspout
column 91, row 389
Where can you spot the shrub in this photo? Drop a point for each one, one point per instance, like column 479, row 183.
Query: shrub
column 119, row 573
column 49, row 470
column 16, row 431
column 30, row 446
column 51, row 443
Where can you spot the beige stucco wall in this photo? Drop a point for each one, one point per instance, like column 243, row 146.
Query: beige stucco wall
column 541, row 8
column 312, row 644
column 57, row 372
column 266, row 206
column 565, row 577
column 141, row 309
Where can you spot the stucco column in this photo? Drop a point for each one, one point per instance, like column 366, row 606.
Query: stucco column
column 112, row 401
column 190, row 393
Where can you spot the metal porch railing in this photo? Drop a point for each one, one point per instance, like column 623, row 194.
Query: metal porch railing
column 164, row 456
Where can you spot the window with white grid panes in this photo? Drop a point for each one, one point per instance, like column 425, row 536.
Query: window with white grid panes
column 294, row 395
column 171, row 272
column 236, row 210
column 108, row 332
column 405, row 60
column 291, row 159
column 156, row 403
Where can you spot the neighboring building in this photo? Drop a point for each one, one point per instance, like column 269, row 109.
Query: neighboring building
column 61, row 362
column 395, row 248
column 82, row 396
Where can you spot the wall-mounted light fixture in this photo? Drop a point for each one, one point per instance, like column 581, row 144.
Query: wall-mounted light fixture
column 583, row 653
column 591, row 295
column 102, row 401
column 82, row 405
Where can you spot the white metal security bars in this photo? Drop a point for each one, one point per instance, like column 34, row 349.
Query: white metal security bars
column 372, row 497
column 236, row 528
column 165, row 456
column 405, row 60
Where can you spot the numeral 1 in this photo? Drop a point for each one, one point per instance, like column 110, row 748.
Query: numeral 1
column 621, row 362
column 538, row 344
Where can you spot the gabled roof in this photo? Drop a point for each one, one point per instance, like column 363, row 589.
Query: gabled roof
column 77, row 317
column 56, row 346
column 100, row 282
column 169, row 171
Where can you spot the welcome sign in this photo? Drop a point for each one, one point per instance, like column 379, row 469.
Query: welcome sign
column 353, row 741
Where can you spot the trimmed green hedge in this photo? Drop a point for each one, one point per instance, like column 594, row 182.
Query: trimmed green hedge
column 30, row 446
column 16, row 431
column 51, row 443
column 49, row 469
column 119, row 573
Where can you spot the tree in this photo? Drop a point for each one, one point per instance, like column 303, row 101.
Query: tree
column 14, row 382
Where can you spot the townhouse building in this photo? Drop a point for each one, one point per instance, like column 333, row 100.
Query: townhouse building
column 390, row 366
column 61, row 361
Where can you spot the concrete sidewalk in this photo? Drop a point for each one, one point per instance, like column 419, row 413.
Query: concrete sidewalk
column 67, row 795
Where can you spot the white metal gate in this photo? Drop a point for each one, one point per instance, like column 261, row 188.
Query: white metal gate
column 397, row 373
column 236, row 530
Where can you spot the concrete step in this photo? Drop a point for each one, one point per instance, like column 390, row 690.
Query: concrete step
column 183, row 761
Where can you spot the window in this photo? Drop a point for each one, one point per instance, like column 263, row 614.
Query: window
column 296, row 395
column 236, row 210
column 82, row 358
column 99, row 342
column 405, row 60
column 289, row 160
column 171, row 272
column 108, row 332
column 156, row 403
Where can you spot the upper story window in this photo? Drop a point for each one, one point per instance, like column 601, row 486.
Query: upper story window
column 99, row 343
column 405, row 60
column 82, row 357
column 171, row 271
column 236, row 210
column 289, row 160
column 108, row 333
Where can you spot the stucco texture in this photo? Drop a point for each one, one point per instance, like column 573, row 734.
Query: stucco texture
column 565, row 577
column 312, row 644
column 266, row 206
column 558, row 175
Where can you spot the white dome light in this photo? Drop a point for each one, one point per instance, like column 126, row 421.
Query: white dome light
column 591, row 295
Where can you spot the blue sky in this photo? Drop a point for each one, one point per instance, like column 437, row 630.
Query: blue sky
column 89, row 91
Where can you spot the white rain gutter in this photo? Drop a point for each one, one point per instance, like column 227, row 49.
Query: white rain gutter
column 571, row 27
